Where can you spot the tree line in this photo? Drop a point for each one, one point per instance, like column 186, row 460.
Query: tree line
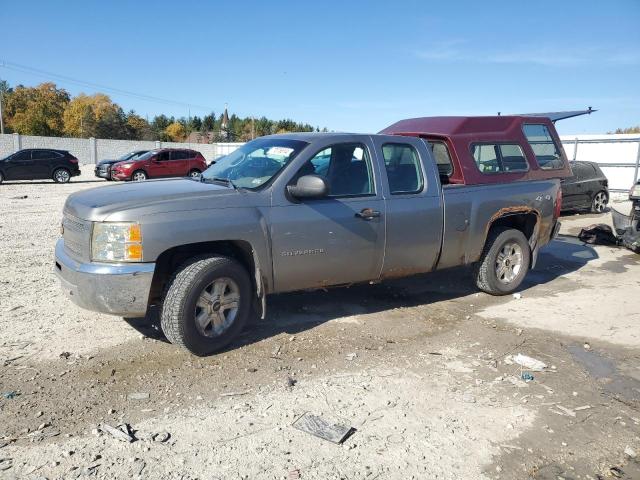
column 47, row 110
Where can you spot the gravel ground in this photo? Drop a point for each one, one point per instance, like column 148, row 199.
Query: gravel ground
column 421, row 368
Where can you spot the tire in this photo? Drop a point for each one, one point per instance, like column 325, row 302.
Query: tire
column 488, row 271
column 139, row 176
column 599, row 202
column 1, row 177
column 194, row 173
column 61, row 175
column 217, row 278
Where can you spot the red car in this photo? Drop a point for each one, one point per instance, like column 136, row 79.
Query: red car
column 161, row 163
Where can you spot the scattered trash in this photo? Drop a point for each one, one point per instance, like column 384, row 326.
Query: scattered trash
column 10, row 395
column 161, row 437
column 122, row 432
column 587, row 346
column 598, row 234
column 584, row 407
column 630, row 452
column 20, row 197
column 251, row 370
column 351, row 356
column 529, row 362
column 322, row 428
column 290, row 382
column 65, row 355
column 616, row 472
column 517, row 296
column 435, row 353
column 294, row 474
column 6, row 463
column 526, row 376
column 138, row 396
column 234, row 394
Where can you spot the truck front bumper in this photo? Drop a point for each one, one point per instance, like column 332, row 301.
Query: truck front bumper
column 116, row 289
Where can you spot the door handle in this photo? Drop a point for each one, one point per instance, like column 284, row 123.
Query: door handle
column 368, row 214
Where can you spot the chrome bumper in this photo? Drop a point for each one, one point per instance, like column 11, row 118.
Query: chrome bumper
column 555, row 231
column 118, row 289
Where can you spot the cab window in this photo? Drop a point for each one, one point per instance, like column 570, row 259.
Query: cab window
column 499, row 158
column 547, row 153
column 346, row 167
column 403, row 168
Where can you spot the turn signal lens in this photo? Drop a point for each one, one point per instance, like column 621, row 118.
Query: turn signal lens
column 134, row 252
column 135, row 234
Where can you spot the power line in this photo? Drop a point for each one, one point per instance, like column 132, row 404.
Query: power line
column 42, row 73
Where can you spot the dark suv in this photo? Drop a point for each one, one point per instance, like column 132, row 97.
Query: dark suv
column 38, row 164
column 586, row 189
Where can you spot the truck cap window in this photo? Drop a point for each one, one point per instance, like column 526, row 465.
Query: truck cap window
column 255, row 163
column 442, row 158
column 403, row 168
column 346, row 168
column 547, row 153
column 499, row 158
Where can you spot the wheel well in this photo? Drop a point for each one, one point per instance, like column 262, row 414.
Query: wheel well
column 526, row 222
column 169, row 261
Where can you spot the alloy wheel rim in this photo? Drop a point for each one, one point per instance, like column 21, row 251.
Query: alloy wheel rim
column 217, row 307
column 195, row 174
column 508, row 262
column 62, row 176
column 139, row 177
column 600, row 202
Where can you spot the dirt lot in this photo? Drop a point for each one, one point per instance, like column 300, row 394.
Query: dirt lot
column 421, row 368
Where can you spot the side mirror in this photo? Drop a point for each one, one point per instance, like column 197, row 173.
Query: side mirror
column 309, row 186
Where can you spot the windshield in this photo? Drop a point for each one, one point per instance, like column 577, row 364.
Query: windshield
column 256, row 162
column 147, row 155
column 129, row 156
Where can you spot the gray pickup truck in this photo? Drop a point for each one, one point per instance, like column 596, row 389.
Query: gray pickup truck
column 292, row 212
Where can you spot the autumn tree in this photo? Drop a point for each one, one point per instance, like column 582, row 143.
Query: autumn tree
column 36, row 110
column 138, row 128
column 176, row 132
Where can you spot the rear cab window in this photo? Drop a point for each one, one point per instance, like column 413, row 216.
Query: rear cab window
column 491, row 158
column 402, row 164
column 548, row 155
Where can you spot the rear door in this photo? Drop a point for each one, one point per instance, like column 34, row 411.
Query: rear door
column 179, row 163
column 43, row 161
column 413, row 206
column 19, row 166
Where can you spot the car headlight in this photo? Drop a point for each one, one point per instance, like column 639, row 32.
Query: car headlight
column 126, row 166
column 116, row 242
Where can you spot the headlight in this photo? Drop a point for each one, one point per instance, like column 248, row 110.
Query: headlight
column 116, row 242
column 126, row 166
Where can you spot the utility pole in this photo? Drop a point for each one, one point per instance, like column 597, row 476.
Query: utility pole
column 1, row 122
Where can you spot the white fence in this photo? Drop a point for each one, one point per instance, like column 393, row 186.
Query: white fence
column 617, row 155
column 92, row 150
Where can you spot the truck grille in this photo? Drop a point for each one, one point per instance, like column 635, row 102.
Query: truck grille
column 77, row 235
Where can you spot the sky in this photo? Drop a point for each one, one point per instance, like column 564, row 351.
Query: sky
column 345, row 65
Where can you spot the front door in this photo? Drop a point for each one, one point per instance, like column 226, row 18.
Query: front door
column 19, row 166
column 160, row 165
column 337, row 239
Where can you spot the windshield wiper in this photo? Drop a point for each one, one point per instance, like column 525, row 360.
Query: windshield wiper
column 223, row 180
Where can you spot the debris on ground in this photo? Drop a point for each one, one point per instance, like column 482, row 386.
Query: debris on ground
column 529, row 362
column 290, row 382
column 6, row 463
column 235, row 394
column 10, row 395
column 65, row 355
column 351, row 356
column 122, row 432
column 630, row 452
column 138, row 396
column 322, row 428
column 527, row 377
column 517, row 296
column 161, row 437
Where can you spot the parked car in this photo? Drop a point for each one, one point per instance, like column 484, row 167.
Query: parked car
column 39, row 164
column 586, row 189
column 160, row 163
column 313, row 210
column 103, row 168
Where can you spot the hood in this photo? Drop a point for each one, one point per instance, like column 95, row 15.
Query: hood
column 150, row 197
column 108, row 161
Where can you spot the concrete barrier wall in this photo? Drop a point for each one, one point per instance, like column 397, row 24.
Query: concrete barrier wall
column 92, row 150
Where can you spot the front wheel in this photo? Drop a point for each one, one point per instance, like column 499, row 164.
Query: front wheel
column 139, row 176
column 61, row 175
column 504, row 262
column 599, row 202
column 207, row 304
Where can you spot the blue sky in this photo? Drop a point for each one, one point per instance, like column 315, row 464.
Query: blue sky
column 355, row 66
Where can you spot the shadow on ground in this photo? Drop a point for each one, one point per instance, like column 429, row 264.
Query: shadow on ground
column 296, row 312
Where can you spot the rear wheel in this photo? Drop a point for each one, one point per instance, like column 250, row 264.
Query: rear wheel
column 207, row 304
column 599, row 202
column 61, row 175
column 139, row 176
column 194, row 173
column 504, row 262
